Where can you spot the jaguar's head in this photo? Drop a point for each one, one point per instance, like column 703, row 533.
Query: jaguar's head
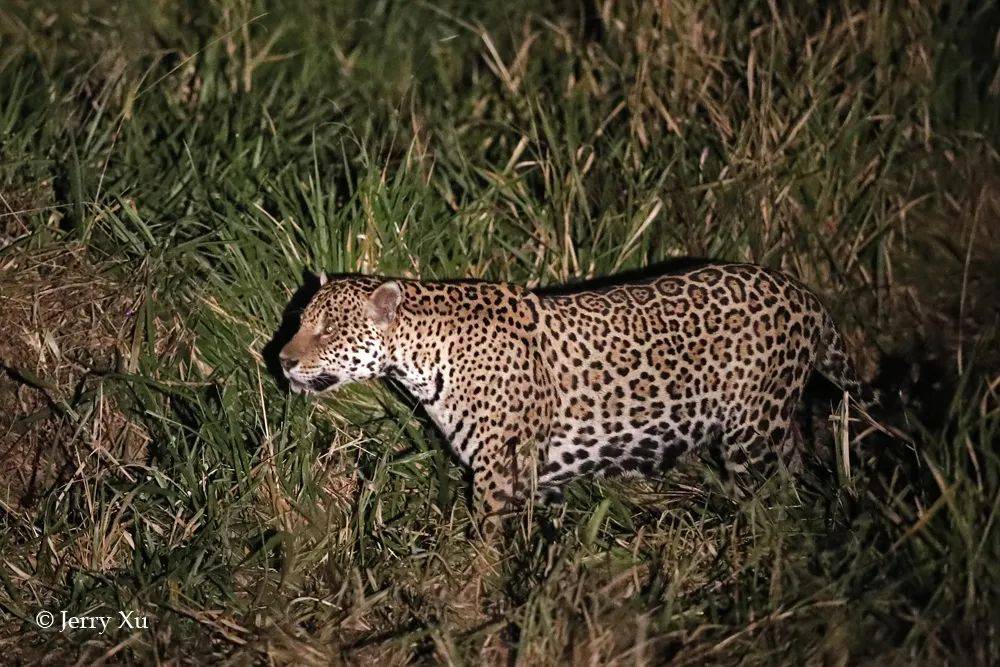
column 342, row 334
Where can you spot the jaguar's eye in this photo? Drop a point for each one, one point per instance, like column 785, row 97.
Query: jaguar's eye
column 327, row 330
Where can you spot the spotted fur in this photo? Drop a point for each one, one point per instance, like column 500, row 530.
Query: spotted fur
column 533, row 390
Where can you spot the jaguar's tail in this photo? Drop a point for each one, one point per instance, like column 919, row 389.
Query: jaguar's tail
column 835, row 365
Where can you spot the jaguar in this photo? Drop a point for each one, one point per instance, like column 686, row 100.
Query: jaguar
column 533, row 389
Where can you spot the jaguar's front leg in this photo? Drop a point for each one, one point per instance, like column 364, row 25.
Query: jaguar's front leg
column 503, row 476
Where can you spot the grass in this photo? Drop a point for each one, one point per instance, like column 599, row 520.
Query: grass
column 172, row 173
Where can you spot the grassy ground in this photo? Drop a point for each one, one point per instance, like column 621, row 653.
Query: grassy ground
column 170, row 173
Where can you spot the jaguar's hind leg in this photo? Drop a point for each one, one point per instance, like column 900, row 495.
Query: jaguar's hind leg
column 751, row 456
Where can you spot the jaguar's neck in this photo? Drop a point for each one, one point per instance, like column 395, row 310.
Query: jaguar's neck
column 418, row 354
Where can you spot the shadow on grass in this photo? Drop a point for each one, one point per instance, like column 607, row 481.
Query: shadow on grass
column 290, row 319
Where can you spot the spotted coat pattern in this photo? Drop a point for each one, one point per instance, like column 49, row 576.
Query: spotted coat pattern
column 533, row 390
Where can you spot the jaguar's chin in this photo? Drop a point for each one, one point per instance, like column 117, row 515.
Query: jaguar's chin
column 298, row 387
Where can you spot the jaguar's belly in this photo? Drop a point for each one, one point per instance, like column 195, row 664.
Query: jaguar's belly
column 645, row 440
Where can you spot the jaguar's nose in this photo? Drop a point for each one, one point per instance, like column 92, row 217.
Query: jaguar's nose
column 287, row 362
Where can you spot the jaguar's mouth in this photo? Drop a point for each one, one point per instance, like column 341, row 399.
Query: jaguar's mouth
column 323, row 382
column 315, row 385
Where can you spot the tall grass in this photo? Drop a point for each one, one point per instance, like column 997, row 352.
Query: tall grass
column 172, row 174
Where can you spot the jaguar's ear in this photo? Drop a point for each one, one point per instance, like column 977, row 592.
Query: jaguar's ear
column 383, row 304
column 322, row 278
